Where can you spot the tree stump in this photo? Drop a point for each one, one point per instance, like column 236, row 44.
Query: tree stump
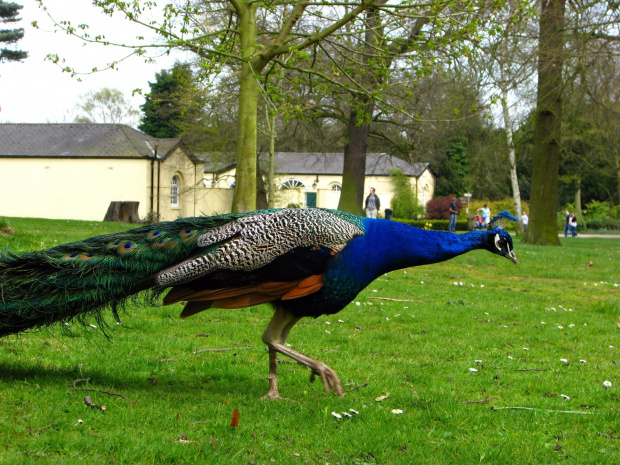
column 126, row 212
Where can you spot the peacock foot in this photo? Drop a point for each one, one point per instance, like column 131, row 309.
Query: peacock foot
column 328, row 376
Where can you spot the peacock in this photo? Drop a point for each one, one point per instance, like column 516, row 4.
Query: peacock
column 304, row 262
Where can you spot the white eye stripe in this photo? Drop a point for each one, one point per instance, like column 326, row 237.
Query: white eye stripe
column 497, row 241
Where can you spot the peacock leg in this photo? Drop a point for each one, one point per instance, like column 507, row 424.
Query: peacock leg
column 273, row 375
column 275, row 337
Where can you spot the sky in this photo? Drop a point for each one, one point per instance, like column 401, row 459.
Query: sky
column 37, row 91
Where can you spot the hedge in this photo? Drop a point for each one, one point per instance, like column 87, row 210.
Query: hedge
column 437, row 225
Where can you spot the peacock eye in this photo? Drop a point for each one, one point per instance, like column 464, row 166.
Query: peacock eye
column 500, row 242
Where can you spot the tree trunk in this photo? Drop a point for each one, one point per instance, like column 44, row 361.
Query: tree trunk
column 578, row 209
column 125, row 212
column 617, row 160
column 354, row 169
column 244, row 197
column 272, row 164
column 358, row 127
column 542, row 229
column 512, row 158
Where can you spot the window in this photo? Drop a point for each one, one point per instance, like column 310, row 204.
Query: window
column 174, row 192
column 292, row 184
column 336, row 187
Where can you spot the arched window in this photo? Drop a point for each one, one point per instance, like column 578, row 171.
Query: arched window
column 292, row 184
column 231, row 185
column 174, row 192
column 336, row 187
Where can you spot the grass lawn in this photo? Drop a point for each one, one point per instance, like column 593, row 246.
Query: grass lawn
column 542, row 335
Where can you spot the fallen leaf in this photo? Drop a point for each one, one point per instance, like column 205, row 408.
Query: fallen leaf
column 235, row 419
column 382, row 397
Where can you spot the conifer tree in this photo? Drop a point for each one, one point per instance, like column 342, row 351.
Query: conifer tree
column 8, row 14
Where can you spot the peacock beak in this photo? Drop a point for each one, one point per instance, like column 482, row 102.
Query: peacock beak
column 512, row 257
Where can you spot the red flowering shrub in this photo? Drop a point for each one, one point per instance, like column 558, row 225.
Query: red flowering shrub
column 439, row 209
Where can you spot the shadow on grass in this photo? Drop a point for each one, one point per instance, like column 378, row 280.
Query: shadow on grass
column 129, row 384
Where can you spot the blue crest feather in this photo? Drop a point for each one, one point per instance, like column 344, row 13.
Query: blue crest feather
column 501, row 219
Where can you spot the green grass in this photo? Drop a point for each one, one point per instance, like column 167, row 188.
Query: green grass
column 419, row 351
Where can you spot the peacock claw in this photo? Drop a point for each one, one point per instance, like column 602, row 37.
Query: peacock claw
column 329, row 378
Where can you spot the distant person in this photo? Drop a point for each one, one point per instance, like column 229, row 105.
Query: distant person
column 372, row 204
column 567, row 224
column 486, row 214
column 573, row 225
column 453, row 214
column 525, row 220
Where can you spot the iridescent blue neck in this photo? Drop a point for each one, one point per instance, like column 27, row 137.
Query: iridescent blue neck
column 389, row 245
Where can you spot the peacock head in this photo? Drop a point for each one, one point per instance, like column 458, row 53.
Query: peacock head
column 499, row 242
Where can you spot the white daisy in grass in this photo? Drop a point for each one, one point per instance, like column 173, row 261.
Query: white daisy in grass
column 607, row 384
column 564, row 360
column 354, row 411
column 327, row 332
column 348, row 415
column 565, row 396
column 560, row 327
column 337, row 415
column 397, row 411
column 583, row 362
column 327, row 323
column 510, row 357
column 357, row 304
column 477, row 362
column 473, row 370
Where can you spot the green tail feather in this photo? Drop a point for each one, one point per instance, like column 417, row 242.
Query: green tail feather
column 82, row 278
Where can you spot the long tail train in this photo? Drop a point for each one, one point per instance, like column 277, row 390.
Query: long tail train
column 81, row 279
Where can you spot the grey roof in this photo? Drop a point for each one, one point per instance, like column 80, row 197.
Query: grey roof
column 377, row 164
column 80, row 140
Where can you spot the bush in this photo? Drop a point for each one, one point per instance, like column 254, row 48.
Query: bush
column 404, row 203
column 611, row 224
column 596, row 210
column 439, row 209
